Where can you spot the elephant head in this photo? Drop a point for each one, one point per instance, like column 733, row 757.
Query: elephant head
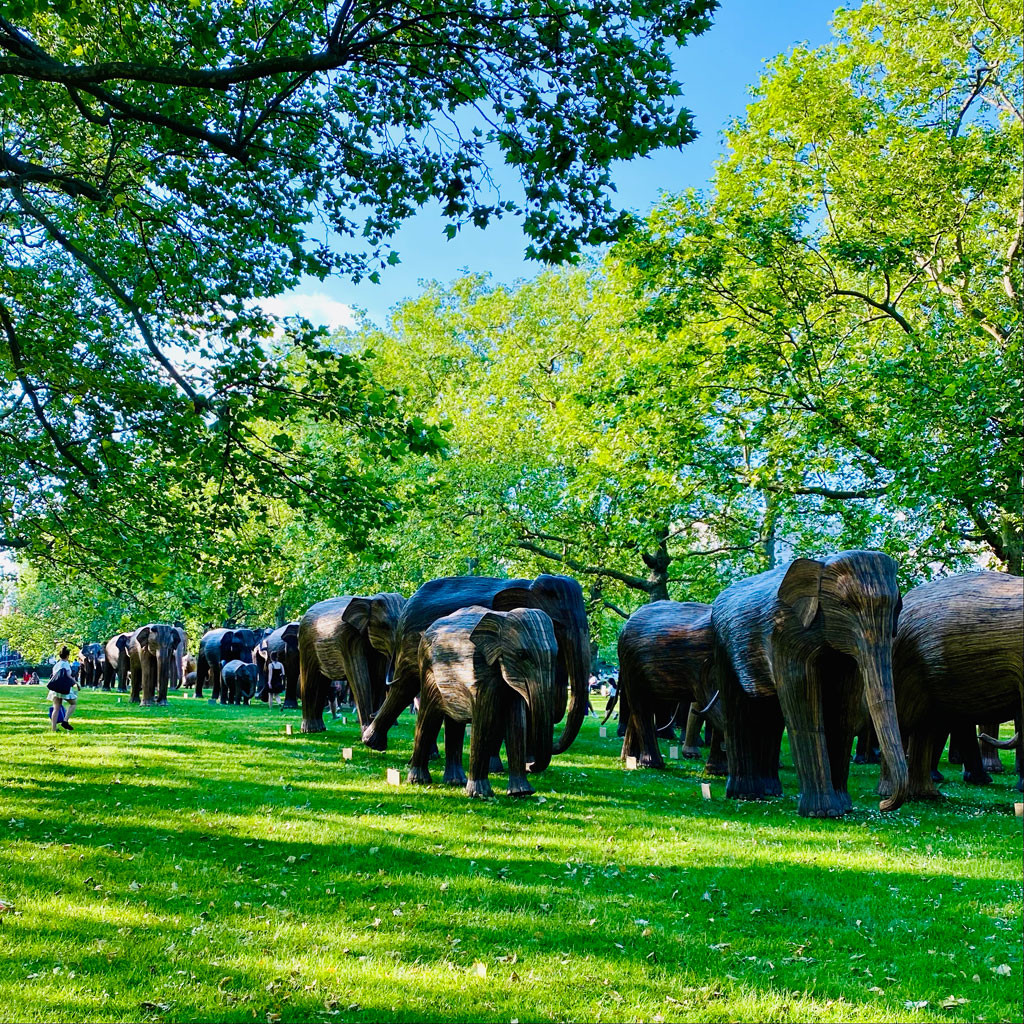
column 376, row 619
column 852, row 601
column 561, row 599
column 522, row 645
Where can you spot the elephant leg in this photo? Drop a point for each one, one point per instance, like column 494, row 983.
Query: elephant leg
column 954, row 756
column 803, row 705
column 488, row 713
column 149, row 682
column 718, row 762
column 921, row 745
column 400, row 695
column 136, row 694
column 454, row 740
column 694, row 722
column 841, row 701
column 515, row 747
column 215, row 682
column 496, row 767
column 967, row 740
column 291, row 687
column 428, row 725
column 990, row 755
column 754, row 730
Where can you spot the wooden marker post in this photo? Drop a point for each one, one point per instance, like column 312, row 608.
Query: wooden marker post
column 1018, row 809
column 705, row 790
column 394, row 777
column 346, row 753
column 602, row 732
column 288, row 729
column 673, row 752
column 630, row 763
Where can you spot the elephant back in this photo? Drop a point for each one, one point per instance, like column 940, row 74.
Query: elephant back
column 961, row 634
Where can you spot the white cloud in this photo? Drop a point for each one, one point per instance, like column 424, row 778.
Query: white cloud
column 318, row 308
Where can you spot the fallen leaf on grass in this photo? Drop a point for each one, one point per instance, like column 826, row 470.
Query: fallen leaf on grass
column 481, row 969
column 952, row 1002
column 1003, row 970
column 916, row 1004
column 162, row 1007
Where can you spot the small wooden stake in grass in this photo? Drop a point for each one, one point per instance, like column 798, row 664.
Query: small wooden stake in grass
column 288, row 729
column 630, row 763
column 673, row 752
column 344, row 719
column 394, row 777
column 705, row 790
column 602, row 732
column 346, row 753
column 1018, row 809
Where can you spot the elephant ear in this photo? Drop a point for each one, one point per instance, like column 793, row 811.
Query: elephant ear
column 357, row 614
column 178, row 640
column 800, row 587
column 142, row 635
column 513, row 597
column 122, row 641
column 896, row 614
column 291, row 634
column 487, row 636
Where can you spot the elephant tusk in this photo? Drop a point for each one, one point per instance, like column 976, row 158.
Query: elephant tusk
column 1001, row 744
column 711, row 703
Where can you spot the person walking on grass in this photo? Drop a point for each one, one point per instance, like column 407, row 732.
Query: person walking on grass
column 61, row 689
column 275, row 682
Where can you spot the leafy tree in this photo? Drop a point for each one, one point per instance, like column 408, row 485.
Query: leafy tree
column 853, row 281
column 166, row 166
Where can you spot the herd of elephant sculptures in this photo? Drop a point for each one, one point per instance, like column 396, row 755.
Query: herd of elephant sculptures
column 822, row 648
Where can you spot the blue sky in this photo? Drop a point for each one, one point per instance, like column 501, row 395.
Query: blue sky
column 716, row 71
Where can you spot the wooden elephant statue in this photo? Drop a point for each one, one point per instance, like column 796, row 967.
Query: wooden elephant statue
column 351, row 638
column 152, row 651
column 798, row 647
column 559, row 597
column 957, row 661
column 664, row 667
column 496, row 670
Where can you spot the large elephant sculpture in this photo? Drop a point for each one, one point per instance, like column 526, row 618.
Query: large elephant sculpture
column 560, row 597
column 282, row 645
column 664, row 666
column 92, row 658
column 238, row 681
column 798, row 647
column 216, row 648
column 351, row 638
column 957, row 661
column 488, row 668
column 117, row 663
column 151, row 650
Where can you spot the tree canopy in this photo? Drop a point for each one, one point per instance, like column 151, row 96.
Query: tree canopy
column 822, row 350
column 166, row 166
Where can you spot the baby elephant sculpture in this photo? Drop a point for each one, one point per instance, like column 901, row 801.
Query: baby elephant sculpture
column 799, row 646
column 238, row 680
column 488, row 668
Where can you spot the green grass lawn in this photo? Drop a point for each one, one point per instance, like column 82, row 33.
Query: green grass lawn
column 195, row 863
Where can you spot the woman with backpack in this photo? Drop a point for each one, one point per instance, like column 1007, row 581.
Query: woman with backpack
column 61, row 689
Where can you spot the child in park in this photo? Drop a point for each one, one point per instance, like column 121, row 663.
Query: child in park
column 61, row 689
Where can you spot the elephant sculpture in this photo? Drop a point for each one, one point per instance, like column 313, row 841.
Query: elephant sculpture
column 92, row 658
column 664, row 666
column 351, row 638
column 216, row 648
column 117, row 663
column 957, row 661
column 281, row 645
column 488, row 668
column 151, row 650
column 560, row 597
column 238, row 681
column 799, row 646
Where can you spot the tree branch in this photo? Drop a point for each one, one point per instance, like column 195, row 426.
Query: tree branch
column 633, row 582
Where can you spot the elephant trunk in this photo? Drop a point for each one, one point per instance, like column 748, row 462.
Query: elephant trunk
column 540, row 725
column 577, row 660
column 878, row 691
column 161, row 668
column 361, row 685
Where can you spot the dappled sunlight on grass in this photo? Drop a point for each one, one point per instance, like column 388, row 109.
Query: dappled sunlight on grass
column 197, row 863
